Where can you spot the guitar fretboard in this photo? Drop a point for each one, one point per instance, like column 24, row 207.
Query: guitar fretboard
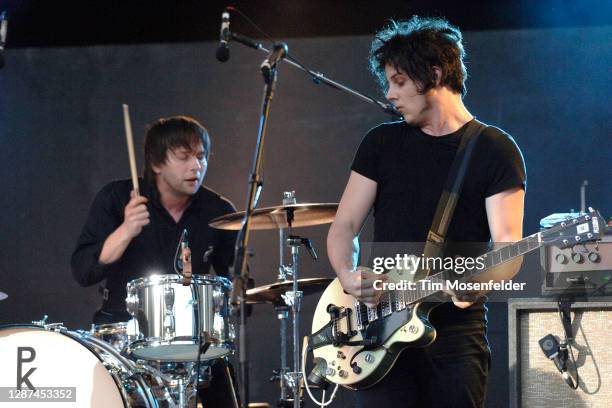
column 398, row 300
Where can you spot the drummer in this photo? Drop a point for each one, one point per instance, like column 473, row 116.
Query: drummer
column 129, row 235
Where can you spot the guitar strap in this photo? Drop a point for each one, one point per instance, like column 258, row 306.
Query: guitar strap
column 436, row 236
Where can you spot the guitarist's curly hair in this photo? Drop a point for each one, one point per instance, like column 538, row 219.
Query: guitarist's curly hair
column 415, row 47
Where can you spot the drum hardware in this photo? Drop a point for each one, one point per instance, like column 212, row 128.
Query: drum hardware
column 56, row 327
column 286, row 294
column 293, row 299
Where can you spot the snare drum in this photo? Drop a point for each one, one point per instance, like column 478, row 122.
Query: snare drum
column 164, row 309
column 69, row 367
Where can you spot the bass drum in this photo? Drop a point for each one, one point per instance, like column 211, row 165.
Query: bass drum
column 90, row 372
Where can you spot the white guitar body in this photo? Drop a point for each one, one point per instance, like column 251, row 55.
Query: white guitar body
column 373, row 363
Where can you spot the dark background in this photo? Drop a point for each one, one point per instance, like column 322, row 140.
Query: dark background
column 539, row 70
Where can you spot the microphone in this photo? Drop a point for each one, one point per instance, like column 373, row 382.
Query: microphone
column 3, row 28
column 178, row 260
column 223, row 53
column 279, row 52
column 184, row 240
column 551, row 348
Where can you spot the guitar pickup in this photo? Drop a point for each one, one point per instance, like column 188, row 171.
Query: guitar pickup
column 361, row 315
column 386, row 307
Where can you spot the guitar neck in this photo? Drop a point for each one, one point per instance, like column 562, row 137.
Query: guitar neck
column 490, row 260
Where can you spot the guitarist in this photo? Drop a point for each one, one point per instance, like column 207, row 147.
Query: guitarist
column 399, row 171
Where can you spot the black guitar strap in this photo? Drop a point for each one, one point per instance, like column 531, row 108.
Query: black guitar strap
column 436, row 236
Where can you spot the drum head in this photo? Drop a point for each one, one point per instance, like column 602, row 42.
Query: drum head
column 153, row 351
column 140, row 283
column 54, row 360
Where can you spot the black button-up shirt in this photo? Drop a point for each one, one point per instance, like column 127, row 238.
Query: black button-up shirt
column 153, row 250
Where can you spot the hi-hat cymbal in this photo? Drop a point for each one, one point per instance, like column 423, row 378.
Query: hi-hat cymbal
column 3, row 295
column 304, row 215
column 272, row 293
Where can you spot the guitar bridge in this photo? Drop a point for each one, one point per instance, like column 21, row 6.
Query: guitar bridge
column 341, row 325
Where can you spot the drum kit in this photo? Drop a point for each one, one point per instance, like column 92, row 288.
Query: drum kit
column 152, row 360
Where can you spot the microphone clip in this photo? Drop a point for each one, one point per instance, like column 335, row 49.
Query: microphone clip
column 268, row 67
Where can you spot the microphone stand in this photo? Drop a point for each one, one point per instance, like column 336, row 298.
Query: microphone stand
column 241, row 273
column 317, row 77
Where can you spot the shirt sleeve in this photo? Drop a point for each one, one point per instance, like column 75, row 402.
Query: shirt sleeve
column 367, row 158
column 506, row 167
column 105, row 215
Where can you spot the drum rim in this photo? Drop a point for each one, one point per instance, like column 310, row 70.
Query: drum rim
column 170, row 278
column 153, row 342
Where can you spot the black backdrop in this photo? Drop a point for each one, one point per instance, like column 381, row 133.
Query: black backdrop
column 61, row 139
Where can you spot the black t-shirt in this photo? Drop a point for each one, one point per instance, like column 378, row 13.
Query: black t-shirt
column 153, row 251
column 411, row 168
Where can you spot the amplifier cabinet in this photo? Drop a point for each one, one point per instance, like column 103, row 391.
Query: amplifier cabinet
column 535, row 381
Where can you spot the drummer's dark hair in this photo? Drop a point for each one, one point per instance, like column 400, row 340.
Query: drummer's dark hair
column 171, row 133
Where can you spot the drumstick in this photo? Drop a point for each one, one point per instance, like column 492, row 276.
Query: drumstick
column 130, row 146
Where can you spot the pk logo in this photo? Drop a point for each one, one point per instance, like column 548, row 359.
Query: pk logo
column 21, row 379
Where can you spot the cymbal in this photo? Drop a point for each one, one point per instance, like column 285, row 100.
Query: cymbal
column 272, row 293
column 3, row 295
column 304, row 215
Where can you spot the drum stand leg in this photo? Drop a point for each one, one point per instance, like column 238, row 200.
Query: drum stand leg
column 282, row 313
column 293, row 299
column 182, row 394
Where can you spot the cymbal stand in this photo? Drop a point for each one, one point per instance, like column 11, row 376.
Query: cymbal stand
column 293, row 299
column 282, row 313
column 284, row 270
column 286, row 399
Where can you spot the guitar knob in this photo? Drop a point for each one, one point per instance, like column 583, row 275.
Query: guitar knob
column 341, row 355
column 343, row 373
column 561, row 258
column 356, row 368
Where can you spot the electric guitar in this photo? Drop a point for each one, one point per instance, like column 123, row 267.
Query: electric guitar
column 355, row 346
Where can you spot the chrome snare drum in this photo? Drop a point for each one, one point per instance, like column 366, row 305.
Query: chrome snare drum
column 164, row 310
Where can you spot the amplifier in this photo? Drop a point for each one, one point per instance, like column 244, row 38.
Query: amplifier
column 582, row 269
column 534, row 379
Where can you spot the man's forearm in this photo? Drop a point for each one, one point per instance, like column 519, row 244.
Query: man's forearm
column 114, row 246
column 342, row 249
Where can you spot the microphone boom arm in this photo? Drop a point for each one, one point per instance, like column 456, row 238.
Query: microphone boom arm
column 317, row 77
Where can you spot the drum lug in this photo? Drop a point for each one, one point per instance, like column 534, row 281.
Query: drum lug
column 42, row 322
column 131, row 302
column 54, row 327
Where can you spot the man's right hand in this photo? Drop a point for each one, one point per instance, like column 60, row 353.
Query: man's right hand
column 359, row 283
column 135, row 215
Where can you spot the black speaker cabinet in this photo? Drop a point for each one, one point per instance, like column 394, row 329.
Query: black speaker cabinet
column 535, row 382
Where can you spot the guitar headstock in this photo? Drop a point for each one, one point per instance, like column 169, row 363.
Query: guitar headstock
column 588, row 227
